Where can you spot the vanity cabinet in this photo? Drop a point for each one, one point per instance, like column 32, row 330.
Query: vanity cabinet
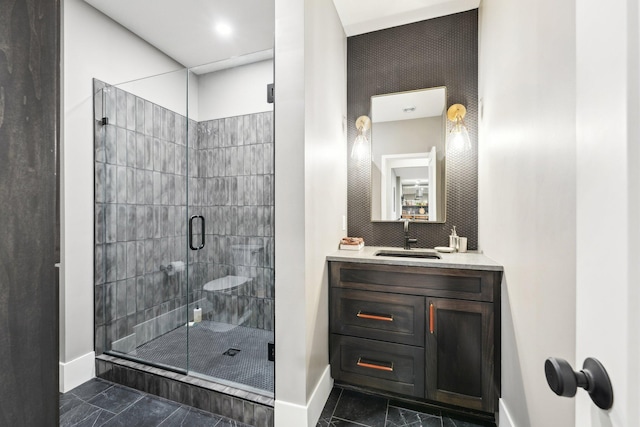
column 425, row 333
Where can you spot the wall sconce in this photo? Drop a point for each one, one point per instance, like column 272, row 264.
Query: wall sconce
column 359, row 149
column 458, row 138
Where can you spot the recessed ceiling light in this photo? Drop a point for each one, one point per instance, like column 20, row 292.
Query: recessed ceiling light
column 224, row 29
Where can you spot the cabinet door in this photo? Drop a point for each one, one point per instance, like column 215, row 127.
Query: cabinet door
column 460, row 353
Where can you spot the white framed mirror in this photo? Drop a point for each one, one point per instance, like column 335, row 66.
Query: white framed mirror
column 408, row 155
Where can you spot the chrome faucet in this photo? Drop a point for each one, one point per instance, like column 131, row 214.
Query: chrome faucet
column 408, row 241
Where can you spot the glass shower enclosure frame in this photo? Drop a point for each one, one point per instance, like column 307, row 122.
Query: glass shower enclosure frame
column 184, row 268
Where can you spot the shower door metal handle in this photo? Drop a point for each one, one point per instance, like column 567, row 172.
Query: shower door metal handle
column 202, row 230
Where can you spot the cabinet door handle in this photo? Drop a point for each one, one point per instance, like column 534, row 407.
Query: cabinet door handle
column 431, row 317
column 375, row 316
column 380, row 366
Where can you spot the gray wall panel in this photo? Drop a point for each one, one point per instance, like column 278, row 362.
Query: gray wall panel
column 29, row 115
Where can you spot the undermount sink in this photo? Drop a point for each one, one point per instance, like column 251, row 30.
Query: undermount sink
column 410, row 253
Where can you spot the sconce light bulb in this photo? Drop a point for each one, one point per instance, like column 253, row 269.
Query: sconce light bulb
column 359, row 149
column 459, row 137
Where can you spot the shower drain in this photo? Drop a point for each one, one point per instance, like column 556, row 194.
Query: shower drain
column 231, row 352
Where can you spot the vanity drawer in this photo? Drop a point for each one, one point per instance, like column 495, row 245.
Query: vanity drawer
column 392, row 367
column 474, row 285
column 378, row 315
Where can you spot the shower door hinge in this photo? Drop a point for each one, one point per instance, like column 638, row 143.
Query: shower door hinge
column 271, row 352
column 271, row 93
column 104, row 121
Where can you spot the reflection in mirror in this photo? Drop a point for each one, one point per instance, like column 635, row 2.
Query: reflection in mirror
column 408, row 137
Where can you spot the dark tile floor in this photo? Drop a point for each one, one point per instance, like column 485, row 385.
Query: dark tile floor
column 349, row 408
column 101, row 403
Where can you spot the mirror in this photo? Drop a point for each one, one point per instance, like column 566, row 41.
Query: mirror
column 408, row 148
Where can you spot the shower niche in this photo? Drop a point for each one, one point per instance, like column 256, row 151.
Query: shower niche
column 184, row 229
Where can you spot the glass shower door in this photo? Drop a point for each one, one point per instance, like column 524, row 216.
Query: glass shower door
column 141, row 216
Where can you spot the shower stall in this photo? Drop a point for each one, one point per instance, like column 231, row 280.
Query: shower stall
column 184, row 231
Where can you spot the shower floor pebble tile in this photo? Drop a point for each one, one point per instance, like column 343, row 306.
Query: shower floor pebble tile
column 99, row 403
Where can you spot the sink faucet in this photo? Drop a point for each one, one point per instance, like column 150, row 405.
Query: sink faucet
column 407, row 240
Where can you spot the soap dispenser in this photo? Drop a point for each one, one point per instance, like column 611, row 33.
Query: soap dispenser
column 453, row 239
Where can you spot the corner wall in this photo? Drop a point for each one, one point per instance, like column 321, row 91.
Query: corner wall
column 310, row 192
column 527, row 194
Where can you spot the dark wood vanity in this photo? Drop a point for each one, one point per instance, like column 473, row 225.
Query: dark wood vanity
column 427, row 333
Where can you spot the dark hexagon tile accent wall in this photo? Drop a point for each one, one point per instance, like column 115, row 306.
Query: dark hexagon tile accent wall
column 437, row 52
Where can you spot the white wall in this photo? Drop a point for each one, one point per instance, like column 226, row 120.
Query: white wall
column 608, row 202
column 310, row 161
column 325, row 168
column 235, row 91
column 168, row 90
column 290, row 310
column 527, row 193
column 93, row 46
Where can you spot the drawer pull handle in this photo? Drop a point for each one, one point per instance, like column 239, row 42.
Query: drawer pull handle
column 431, row 316
column 375, row 316
column 381, row 366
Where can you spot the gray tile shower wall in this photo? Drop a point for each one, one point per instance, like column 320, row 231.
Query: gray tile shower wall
column 437, row 52
column 153, row 169
column 235, row 190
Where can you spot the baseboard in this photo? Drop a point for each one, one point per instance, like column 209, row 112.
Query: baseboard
column 504, row 418
column 319, row 397
column 77, row 371
column 292, row 415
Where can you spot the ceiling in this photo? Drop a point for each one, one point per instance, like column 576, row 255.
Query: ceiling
column 365, row 16
column 185, row 29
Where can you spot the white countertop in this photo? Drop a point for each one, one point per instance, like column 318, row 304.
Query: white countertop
column 468, row 260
